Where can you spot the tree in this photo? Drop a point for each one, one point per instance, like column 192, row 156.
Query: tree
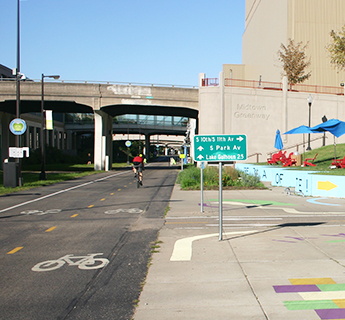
column 337, row 48
column 294, row 62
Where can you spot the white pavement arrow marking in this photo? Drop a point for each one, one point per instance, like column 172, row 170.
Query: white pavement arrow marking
column 183, row 247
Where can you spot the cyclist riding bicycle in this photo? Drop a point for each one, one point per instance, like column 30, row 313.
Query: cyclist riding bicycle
column 138, row 167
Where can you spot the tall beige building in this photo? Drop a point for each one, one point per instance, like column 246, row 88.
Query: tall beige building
column 268, row 23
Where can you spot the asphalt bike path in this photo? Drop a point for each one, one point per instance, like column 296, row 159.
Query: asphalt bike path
column 80, row 249
column 281, row 257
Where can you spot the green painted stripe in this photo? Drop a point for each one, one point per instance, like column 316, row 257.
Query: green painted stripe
column 260, row 202
column 336, row 241
column 310, row 305
column 332, row 287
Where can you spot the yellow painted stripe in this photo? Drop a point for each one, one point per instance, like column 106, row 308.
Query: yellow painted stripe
column 15, row 250
column 118, row 189
column 312, row 281
column 186, row 222
column 50, row 229
column 74, row 215
column 102, row 199
column 112, row 194
column 340, row 303
column 90, row 206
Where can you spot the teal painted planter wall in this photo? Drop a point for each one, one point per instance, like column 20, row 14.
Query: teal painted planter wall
column 307, row 183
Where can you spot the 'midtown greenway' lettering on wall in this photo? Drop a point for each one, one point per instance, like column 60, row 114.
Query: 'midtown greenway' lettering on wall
column 254, row 112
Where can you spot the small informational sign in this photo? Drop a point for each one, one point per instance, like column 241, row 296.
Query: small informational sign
column 128, row 143
column 49, row 119
column 14, row 152
column 220, row 148
column 18, row 126
column 182, row 156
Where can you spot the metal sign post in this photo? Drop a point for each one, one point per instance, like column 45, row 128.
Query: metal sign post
column 220, row 201
column 220, row 148
column 202, row 185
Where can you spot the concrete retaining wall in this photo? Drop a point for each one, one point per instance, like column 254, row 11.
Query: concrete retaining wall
column 304, row 182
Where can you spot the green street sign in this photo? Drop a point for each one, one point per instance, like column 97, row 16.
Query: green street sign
column 220, row 147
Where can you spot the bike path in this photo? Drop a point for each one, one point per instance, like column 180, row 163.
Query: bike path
column 53, row 250
column 292, row 269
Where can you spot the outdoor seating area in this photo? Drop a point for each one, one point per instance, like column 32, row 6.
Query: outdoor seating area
column 280, row 158
column 309, row 161
column 334, row 126
column 339, row 163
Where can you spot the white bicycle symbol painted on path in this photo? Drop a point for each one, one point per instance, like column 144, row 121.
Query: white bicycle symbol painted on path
column 88, row 262
column 133, row 210
column 40, row 212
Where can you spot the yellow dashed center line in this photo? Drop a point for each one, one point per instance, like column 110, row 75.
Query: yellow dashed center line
column 118, row 189
column 112, row 194
column 102, row 199
column 15, row 250
column 74, row 215
column 187, row 222
column 90, row 206
column 50, row 229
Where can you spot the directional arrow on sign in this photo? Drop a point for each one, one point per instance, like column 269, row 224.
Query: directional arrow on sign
column 326, row 185
column 200, row 148
column 239, row 139
column 200, row 157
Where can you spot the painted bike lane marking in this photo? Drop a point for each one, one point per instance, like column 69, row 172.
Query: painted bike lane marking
column 88, row 262
column 183, row 247
column 62, row 191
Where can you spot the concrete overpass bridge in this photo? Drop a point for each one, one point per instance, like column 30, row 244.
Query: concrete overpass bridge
column 104, row 100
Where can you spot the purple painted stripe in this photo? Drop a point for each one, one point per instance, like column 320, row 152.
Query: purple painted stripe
column 296, row 288
column 331, row 313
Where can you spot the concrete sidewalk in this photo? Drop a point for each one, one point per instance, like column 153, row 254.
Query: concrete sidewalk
column 283, row 259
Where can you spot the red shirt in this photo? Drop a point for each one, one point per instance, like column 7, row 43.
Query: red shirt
column 138, row 159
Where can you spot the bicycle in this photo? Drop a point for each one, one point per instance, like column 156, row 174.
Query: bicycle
column 137, row 176
column 87, row 262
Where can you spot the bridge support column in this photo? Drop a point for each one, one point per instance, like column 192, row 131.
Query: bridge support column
column 147, row 147
column 103, row 154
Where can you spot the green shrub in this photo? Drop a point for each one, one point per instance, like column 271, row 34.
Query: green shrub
column 189, row 178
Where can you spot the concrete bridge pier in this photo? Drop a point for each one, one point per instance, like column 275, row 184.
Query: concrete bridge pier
column 147, row 147
column 103, row 157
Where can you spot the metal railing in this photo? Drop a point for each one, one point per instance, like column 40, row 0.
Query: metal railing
column 304, row 143
column 106, row 82
column 210, row 82
column 266, row 85
column 257, row 154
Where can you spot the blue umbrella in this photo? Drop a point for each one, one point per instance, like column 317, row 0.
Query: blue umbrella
column 278, row 143
column 334, row 126
column 300, row 129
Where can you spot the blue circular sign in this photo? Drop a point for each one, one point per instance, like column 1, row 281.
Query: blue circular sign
column 17, row 126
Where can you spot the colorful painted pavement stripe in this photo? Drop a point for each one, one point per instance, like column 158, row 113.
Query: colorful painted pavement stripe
column 323, row 295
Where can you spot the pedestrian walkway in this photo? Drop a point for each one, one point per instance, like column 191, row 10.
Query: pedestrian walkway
column 281, row 257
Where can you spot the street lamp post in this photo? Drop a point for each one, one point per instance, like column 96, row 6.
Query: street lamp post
column 310, row 101
column 43, row 134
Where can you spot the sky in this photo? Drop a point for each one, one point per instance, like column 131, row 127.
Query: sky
column 129, row 41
